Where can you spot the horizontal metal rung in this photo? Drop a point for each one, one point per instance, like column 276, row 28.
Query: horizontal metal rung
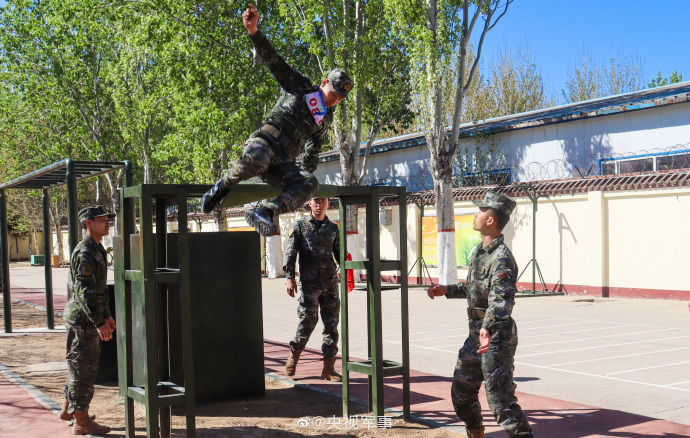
column 138, row 393
column 390, row 265
column 390, row 368
column 166, row 275
column 384, row 265
column 172, row 386
column 134, row 275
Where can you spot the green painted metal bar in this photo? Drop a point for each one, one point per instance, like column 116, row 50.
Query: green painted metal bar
column 186, row 317
column 72, row 208
column 344, row 326
column 374, row 299
column 404, row 315
column 5, row 257
column 162, row 308
column 150, row 313
column 34, row 174
column 124, row 289
column 50, row 317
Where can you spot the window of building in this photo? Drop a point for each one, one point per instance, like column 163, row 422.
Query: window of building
column 647, row 163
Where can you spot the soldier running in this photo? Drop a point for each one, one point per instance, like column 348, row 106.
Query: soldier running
column 298, row 124
column 489, row 350
column 317, row 241
column 87, row 320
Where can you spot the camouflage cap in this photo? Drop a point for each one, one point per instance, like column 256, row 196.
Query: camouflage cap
column 93, row 212
column 342, row 84
column 496, row 201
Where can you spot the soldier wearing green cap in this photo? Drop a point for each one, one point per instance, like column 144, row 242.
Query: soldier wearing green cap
column 297, row 125
column 489, row 350
column 87, row 319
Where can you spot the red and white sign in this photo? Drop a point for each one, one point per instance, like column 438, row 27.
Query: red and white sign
column 316, row 105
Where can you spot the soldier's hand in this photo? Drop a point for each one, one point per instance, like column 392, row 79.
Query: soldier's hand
column 291, row 287
column 484, row 341
column 437, row 290
column 250, row 19
column 105, row 332
column 111, row 322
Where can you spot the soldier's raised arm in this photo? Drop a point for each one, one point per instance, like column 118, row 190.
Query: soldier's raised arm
column 288, row 78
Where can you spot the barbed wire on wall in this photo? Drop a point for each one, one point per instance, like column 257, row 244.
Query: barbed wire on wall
column 582, row 165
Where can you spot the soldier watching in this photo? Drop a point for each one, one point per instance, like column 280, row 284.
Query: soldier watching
column 317, row 241
column 489, row 350
column 87, row 320
column 297, row 125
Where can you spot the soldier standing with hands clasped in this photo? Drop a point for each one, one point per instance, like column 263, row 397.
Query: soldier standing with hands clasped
column 297, row 125
column 87, row 320
column 489, row 350
column 317, row 241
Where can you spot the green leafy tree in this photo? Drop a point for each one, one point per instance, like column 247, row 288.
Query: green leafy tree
column 660, row 81
column 437, row 35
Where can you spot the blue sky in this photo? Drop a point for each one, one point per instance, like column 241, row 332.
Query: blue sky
column 556, row 31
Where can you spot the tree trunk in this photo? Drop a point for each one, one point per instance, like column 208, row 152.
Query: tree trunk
column 447, row 261
column 274, row 256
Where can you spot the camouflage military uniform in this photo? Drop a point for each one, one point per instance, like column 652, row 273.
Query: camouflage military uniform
column 316, row 243
column 490, row 292
column 87, row 309
column 288, row 132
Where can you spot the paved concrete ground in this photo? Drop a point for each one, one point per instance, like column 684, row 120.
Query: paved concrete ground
column 624, row 358
column 627, row 355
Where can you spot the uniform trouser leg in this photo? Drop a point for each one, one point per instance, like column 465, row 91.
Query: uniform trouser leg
column 255, row 160
column 497, row 368
column 329, row 304
column 297, row 187
column 307, row 312
column 467, row 379
column 83, row 353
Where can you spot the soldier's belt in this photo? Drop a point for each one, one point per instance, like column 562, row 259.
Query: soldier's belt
column 476, row 313
column 274, row 132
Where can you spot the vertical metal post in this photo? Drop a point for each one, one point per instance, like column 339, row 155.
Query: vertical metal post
column 47, row 263
column 344, row 328
column 147, row 268
column 420, row 220
column 162, row 307
column 72, row 207
column 533, row 197
column 126, row 224
column 374, row 302
column 5, row 262
column 186, row 315
column 402, row 207
column 129, row 174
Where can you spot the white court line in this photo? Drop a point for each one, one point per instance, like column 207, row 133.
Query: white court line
column 678, row 383
column 581, row 373
column 439, row 337
column 649, row 368
column 564, row 341
column 617, row 357
column 602, row 346
column 398, row 334
column 618, row 379
column 596, row 337
column 572, row 331
column 560, row 325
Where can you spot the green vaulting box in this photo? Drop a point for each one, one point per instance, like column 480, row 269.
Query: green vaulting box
column 226, row 321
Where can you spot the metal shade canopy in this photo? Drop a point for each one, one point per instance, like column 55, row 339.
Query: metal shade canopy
column 67, row 172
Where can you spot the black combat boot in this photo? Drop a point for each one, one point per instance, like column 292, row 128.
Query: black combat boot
column 213, row 197
column 261, row 218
